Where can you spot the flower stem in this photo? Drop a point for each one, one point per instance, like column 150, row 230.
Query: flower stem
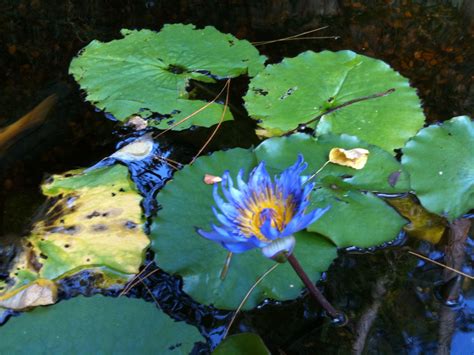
column 333, row 313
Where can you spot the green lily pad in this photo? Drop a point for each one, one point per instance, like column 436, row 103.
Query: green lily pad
column 355, row 218
column 97, row 325
column 94, row 221
column 296, row 90
column 382, row 173
column 440, row 162
column 147, row 73
column 186, row 204
column 242, row 344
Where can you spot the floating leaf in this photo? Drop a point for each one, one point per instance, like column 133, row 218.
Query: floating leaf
column 296, row 90
column 186, row 204
column 440, row 162
column 97, row 325
column 280, row 152
column 242, row 344
column 95, row 220
column 354, row 158
column 423, row 224
column 147, row 73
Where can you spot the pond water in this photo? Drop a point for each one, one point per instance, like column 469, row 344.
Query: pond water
column 395, row 301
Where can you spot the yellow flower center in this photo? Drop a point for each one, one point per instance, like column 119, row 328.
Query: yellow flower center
column 264, row 206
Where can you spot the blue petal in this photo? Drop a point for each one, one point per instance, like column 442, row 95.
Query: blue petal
column 228, row 209
column 268, row 231
column 238, row 247
column 224, row 219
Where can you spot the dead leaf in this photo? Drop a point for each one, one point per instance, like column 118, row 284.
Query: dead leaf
column 354, row 158
column 38, row 293
column 211, row 179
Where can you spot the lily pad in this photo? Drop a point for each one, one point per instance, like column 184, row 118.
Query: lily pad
column 186, row 204
column 382, row 173
column 94, row 221
column 298, row 89
column 97, row 325
column 146, row 73
column 440, row 162
column 242, row 344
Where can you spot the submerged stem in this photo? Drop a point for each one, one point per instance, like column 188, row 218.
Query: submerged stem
column 333, row 313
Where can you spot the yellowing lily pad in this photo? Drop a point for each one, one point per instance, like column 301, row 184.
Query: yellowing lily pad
column 94, row 221
column 423, row 224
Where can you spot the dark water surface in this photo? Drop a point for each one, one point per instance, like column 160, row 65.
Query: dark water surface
column 389, row 292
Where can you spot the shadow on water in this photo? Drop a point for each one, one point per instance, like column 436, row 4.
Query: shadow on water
column 389, row 295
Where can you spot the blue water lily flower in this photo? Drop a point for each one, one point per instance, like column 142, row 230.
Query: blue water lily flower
column 263, row 213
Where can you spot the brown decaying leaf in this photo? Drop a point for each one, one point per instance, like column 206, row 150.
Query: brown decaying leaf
column 39, row 293
column 355, row 158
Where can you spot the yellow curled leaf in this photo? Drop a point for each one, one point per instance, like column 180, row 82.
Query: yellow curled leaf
column 355, row 158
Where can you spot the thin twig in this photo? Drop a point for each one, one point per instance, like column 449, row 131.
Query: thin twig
column 170, row 164
column 260, row 43
column 333, row 313
column 126, row 288
column 151, row 293
column 226, row 104
column 440, row 264
column 247, row 295
column 138, row 281
column 321, row 37
column 347, row 103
